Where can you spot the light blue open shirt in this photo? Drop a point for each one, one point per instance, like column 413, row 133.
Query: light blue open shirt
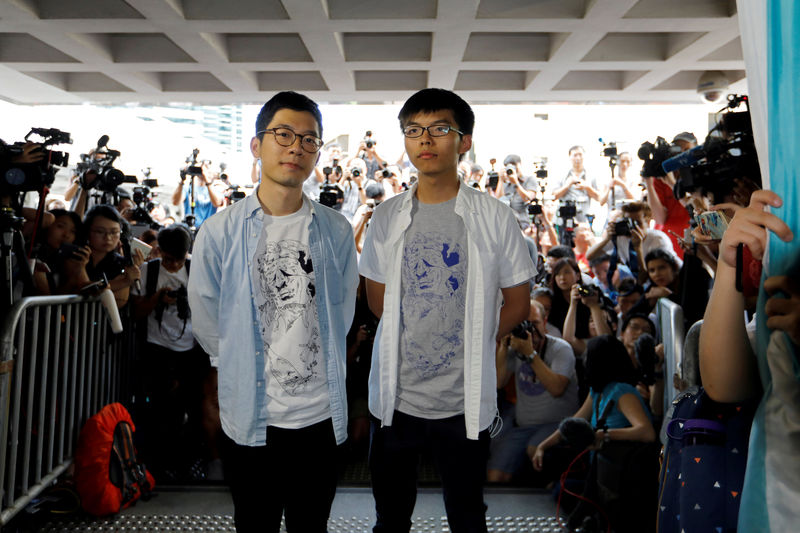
column 225, row 320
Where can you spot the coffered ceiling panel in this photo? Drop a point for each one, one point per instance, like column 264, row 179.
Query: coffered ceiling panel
column 214, row 52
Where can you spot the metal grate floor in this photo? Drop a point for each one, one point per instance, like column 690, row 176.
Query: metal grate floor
column 212, row 523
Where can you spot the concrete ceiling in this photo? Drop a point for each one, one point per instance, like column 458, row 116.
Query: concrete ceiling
column 365, row 51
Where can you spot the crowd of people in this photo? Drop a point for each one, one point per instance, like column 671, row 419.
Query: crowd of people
column 434, row 307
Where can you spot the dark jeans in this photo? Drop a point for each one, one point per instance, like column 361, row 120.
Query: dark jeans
column 393, row 460
column 295, row 473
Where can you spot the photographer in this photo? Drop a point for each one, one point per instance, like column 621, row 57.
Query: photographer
column 670, row 215
column 331, row 162
column 374, row 194
column 57, row 267
column 547, row 391
column 627, row 238
column 597, row 322
column 351, row 183
column 622, row 187
column 173, row 367
column 576, row 186
column 206, row 198
column 368, row 154
column 521, row 190
column 104, row 227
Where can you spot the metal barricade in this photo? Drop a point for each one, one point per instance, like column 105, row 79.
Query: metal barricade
column 59, row 364
column 671, row 326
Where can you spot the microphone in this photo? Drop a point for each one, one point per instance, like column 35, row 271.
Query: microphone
column 102, row 141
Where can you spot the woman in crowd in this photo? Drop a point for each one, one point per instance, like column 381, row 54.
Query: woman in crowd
column 687, row 286
column 56, row 268
column 565, row 275
column 104, row 227
column 611, row 376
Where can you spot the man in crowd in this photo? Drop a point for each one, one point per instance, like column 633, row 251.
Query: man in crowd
column 576, row 186
column 434, row 275
column 521, row 190
column 543, row 367
column 207, row 198
column 280, row 359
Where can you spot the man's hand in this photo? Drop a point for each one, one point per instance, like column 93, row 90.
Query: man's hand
column 523, row 346
column 637, row 236
column 749, row 226
column 31, row 153
column 783, row 313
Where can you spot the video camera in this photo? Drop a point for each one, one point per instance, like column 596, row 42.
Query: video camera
column 192, row 168
column 727, row 154
column 101, row 164
column 24, row 177
column 654, row 155
column 331, row 195
column 610, row 150
column 335, row 168
column 541, row 168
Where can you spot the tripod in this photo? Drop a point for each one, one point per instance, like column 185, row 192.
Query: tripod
column 11, row 248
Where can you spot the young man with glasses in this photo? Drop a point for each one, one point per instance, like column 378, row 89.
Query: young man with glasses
column 272, row 293
column 438, row 259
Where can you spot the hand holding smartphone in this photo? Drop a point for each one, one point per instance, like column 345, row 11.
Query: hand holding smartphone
column 713, row 224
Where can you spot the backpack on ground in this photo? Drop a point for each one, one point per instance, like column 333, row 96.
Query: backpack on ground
column 703, row 465
column 108, row 475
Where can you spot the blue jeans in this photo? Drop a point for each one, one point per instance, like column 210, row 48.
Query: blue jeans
column 393, row 460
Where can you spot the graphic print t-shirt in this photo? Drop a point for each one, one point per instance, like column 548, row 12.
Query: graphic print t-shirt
column 434, row 277
column 284, row 293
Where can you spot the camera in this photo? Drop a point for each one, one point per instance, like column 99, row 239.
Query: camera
column 567, row 209
column 331, row 196
column 727, row 154
column 182, row 303
column 587, row 291
column 535, row 208
column 492, row 177
column 521, row 330
column 24, row 177
column 356, row 172
column 334, row 168
column 541, row 168
column 368, row 142
column 101, row 165
column 623, row 227
column 509, row 171
column 654, row 155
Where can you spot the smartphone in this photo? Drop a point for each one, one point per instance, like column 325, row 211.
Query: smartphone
column 713, row 224
column 136, row 244
column 68, row 250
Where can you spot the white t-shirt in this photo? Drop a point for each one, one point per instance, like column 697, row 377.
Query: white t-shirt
column 171, row 332
column 284, row 294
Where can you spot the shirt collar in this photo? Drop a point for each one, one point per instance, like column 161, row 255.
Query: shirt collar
column 464, row 198
column 253, row 206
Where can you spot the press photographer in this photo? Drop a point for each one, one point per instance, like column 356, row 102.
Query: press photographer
column 576, row 186
column 199, row 198
column 173, row 366
column 96, row 173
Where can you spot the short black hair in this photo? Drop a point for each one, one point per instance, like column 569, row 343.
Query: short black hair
column 512, row 159
column 106, row 211
column 430, row 100
column 599, row 259
column 628, row 286
column 659, row 253
column 175, row 240
column 560, row 251
column 76, row 221
column 542, row 291
column 643, row 316
column 374, row 190
column 286, row 100
column 607, row 361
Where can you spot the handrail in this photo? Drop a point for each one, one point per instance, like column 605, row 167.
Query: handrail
column 672, row 334
column 59, row 364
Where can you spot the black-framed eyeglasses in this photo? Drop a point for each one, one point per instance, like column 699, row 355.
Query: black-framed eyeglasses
column 437, row 130
column 286, row 137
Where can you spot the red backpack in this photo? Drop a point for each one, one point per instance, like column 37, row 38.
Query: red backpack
column 108, row 475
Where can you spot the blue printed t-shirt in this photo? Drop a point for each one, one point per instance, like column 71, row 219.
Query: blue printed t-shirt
column 434, row 275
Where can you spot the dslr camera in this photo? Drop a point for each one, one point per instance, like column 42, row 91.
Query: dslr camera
column 368, row 141
column 623, row 227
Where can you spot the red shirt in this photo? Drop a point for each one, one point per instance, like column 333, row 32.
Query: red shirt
column 677, row 216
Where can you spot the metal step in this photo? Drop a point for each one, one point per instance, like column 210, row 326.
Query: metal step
column 219, row 523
